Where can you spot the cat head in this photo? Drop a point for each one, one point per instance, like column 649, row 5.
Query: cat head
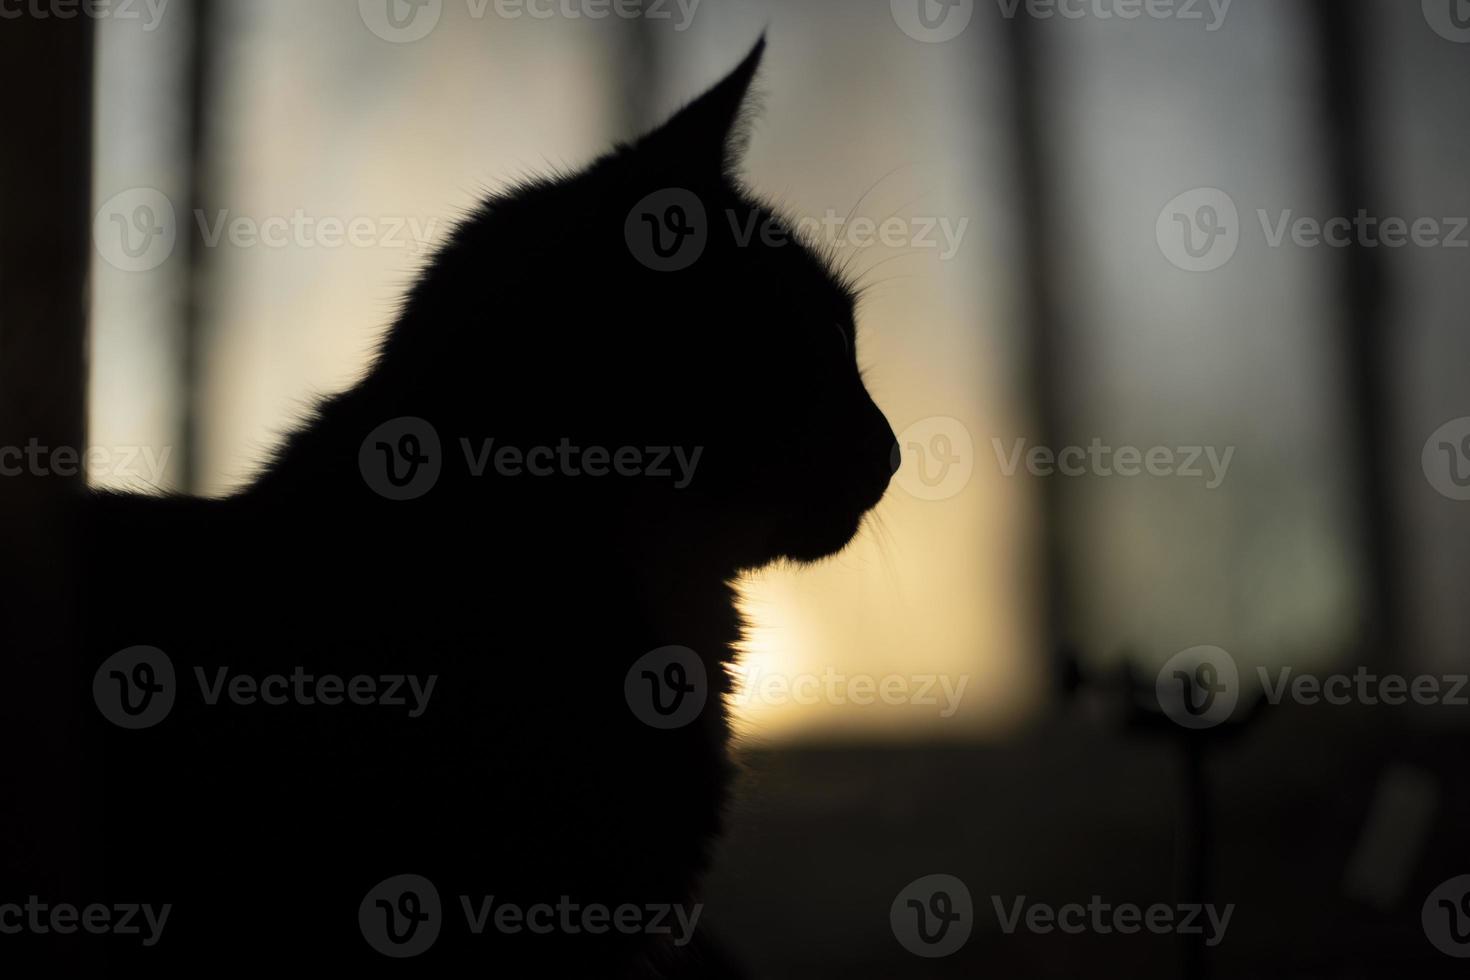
column 650, row 304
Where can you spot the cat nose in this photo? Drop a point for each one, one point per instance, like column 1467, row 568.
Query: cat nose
column 894, row 459
column 888, row 455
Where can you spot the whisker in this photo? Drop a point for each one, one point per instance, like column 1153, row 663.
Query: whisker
column 871, row 188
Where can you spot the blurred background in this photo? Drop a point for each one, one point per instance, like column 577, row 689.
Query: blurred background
column 1098, row 244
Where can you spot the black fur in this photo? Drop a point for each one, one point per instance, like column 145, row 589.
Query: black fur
column 528, row 776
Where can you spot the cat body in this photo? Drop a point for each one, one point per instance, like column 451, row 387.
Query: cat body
column 428, row 670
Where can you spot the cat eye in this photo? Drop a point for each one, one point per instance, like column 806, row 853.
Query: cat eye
column 842, row 332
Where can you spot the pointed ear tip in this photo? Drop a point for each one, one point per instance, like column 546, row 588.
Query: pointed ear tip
column 757, row 53
column 743, row 73
column 721, row 116
column 733, row 92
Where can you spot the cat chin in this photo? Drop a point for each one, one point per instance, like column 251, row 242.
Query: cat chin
column 818, row 540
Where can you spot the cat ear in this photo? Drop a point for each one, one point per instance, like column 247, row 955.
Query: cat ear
column 711, row 132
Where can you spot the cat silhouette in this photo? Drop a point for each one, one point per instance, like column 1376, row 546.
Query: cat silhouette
column 443, row 685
